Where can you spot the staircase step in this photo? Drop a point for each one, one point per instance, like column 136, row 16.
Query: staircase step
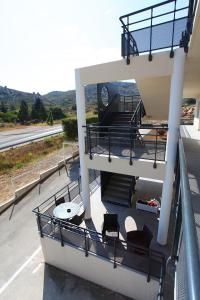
column 122, row 176
column 122, row 192
column 114, row 200
column 124, row 184
column 118, row 194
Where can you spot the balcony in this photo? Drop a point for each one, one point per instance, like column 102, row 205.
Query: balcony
column 166, row 25
column 87, row 236
column 143, row 142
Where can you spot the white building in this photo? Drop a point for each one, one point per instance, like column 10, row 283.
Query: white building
column 161, row 53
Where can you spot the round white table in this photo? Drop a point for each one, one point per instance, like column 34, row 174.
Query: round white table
column 66, row 211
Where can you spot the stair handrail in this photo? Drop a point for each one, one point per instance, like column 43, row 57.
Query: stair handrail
column 137, row 111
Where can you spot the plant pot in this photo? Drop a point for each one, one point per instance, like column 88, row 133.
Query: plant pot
column 152, row 209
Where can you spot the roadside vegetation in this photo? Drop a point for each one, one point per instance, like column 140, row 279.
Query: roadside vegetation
column 19, row 157
column 26, row 115
column 70, row 124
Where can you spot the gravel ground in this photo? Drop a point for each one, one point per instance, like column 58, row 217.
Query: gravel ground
column 18, row 178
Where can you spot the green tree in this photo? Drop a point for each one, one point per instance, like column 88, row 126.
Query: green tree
column 23, row 114
column 38, row 111
column 57, row 113
column 12, row 107
column 74, row 107
column 50, row 118
column 3, row 108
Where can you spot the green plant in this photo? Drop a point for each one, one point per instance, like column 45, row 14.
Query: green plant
column 50, row 119
column 19, row 165
column 70, row 126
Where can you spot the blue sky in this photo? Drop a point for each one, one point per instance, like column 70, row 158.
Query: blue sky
column 43, row 41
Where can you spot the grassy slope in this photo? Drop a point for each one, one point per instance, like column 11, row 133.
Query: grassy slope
column 19, row 157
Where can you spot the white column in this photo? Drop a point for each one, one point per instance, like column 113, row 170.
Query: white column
column 176, row 95
column 81, row 119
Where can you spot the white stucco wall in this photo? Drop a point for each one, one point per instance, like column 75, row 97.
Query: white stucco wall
column 120, row 165
column 95, row 269
column 196, row 123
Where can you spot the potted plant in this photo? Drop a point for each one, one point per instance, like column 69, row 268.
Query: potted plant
column 150, row 205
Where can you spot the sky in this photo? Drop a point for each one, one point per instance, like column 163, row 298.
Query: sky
column 43, row 41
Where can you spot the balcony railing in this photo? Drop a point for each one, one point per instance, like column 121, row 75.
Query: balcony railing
column 185, row 251
column 126, row 141
column 161, row 26
column 67, row 234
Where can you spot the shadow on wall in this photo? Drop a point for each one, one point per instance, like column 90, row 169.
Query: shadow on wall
column 62, row 285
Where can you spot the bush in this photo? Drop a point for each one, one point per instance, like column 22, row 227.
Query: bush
column 189, row 101
column 70, row 126
column 8, row 116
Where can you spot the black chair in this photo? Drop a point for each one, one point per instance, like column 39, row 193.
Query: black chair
column 110, row 226
column 139, row 240
column 60, row 201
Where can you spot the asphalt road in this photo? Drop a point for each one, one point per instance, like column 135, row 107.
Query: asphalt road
column 23, row 273
column 15, row 137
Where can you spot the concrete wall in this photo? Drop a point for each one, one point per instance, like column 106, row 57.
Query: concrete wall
column 155, row 96
column 152, row 78
column 95, row 269
column 197, row 116
column 140, row 167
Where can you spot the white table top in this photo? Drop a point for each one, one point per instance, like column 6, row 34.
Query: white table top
column 66, row 210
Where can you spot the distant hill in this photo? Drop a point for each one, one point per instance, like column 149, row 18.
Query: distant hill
column 58, row 98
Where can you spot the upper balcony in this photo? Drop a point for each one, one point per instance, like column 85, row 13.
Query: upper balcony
column 165, row 25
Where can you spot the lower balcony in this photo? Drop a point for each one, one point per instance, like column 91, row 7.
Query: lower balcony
column 81, row 249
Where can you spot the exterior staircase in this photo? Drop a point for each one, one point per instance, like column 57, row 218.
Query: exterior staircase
column 121, row 119
column 119, row 189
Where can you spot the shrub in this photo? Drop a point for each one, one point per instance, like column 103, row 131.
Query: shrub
column 8, row 116
column 70, row 126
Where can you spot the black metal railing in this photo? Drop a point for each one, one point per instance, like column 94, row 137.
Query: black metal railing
column 69, row 191
column 139, row 112
column 185, row 251
column 161, row 26
column 126, row 141
column 119, row 104
column 92, row 242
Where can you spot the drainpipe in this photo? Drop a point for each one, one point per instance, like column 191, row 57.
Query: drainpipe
column 81, row 120
column 176, row 95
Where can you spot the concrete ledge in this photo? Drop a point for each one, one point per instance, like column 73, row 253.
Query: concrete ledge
column 23, row 190
column 48, row 172
column 6, row 205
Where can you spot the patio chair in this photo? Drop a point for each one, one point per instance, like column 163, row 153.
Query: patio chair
column 110, row 227
column 139, row 240
column 60, row 201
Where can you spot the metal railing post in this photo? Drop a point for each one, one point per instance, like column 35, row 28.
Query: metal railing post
column 86, row 244
column 39, row 225
column 128, row 49
column 131, row 147
column 156, row 144
column 61, row 237
column 90, row 146
column 79, row 188
column 177, row 230
column 172, row 46
column 109, row 146
column 115, row 251
column 69, row 193
column 150, row 54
